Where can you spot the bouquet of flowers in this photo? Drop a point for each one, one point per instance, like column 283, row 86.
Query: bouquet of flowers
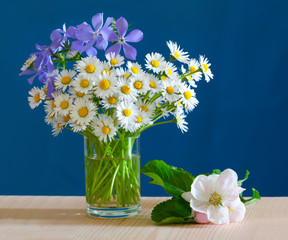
column 111, row 101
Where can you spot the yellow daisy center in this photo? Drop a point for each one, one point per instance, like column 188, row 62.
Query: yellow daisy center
column 127, row 112
column 125, row 75
column 215, row 199
column 169, row 71
column 206, row 68
column 144, row 108
column 192, row 69
column 135, row 70
column 45, row 90
column 66, row 80
column 84, row 83
column 104, row 84
column 176, row 54
column 112, row 100
column 83, row 112
column 66, row 118
column 170, row 90
column 139, row 119
column 106, row 71
column 152, row 84
column 53, row 104
column 37, row 97
column 58, row 125
column 155, row 63
column 105, row 130
column 64, row 104
column 138, row 84
column 80, row 94
column 179, row 103
column 125, row 89
column 187, row 95
column 163, row 78
column 90, row 68
column 114, row 61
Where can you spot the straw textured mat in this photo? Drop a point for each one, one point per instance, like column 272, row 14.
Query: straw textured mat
column 40, row 217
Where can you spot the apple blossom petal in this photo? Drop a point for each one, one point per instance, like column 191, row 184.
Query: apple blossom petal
column 213, row 177
column 199, row 206
column 218, row 215
column 134, row 36
column 237, row 211
column 201, row 217
column 122, row 26
column 226, row 182
column 114, row 48
column 129, row 51
column 202, row 188
column 97, row 21
column 187, row 196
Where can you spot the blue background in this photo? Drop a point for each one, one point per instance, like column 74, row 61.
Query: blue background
column 240, row 123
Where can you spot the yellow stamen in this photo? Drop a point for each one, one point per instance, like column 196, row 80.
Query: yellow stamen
column 215, row 199
column 144, row 108
column 58, row 125
column 169, row 71
column 106, row 71
column 84, row 83
column 170, row 90
column 163, row 78
column 192, row 69
column 139, row 119
column 64, row 104
column 177, row 55
column 125, row 89
column 105, row 130
column 80, row 94
column 134, row 70
column 37, row 97
column 66, row 118
column 66, row 80
column 138, row 84
column 112, row 100
column 114, row 61
column 206, row 68
column 155, row 63
column 90, row 68
column 127, row 112
column 187, row 95
column 104, row 84
column 152, row 84
column 45, row 90
column 125, row 75
column 83, row 112
column 53, row 104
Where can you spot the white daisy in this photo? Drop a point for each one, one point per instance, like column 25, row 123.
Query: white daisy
column 189, row 77
column 64, row 79
column 146, row 107
column 125, row 113
column 28, row 62
column 180, row 121
column 78, row 94
column 134, row 68
column 105, row 68
column 36, row 97
column 63, row 104
column 110, row 102
column 125, row 90
column 114, row 61
column 193, row 66
column 155, row 62
column 171, row 70
column 105, row 85
column 71, row 54
column 56, row 128
column 83, row 83
column 154, row 83
column 188, row 98
column 64, row 119
column 89, row 65
column 170, row 90
column 104, row 127
column 121, row 72
column 140, row 83
column 205, row 66
column 177, row 53
column 141, row 119
column 77, row 127
column 82, row 112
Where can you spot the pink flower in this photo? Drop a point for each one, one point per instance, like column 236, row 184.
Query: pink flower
column 217, row 196
column 201, row 217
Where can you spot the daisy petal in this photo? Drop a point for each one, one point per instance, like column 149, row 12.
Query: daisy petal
column 129, row 51
column 218, row 215
column 134, row 36
column 122, row 26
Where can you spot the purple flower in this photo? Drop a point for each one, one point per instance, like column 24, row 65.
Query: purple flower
column 134, row 36
column 84, row 33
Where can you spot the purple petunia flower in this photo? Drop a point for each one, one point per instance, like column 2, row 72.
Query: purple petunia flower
column 134, row 36
column 84, row 33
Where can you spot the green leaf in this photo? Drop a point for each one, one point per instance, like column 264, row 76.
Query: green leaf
column 244, row 179
column 216, row 171
column 174, row 210
column 174, row 180
column 255, row 197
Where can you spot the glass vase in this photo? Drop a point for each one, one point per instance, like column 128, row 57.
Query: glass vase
column 112, row 177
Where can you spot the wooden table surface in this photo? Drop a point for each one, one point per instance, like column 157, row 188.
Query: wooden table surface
column 40, row 217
